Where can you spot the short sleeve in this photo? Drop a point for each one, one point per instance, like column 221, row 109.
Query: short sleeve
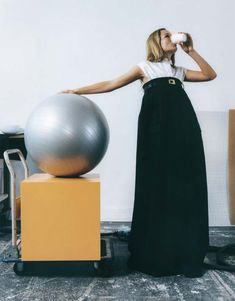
column 184, row 72
column 143, row 67
column 181, row 72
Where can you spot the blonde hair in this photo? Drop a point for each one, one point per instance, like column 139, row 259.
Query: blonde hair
column 155, row 53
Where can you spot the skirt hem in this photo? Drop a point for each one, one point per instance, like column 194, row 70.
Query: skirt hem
column 187, row 270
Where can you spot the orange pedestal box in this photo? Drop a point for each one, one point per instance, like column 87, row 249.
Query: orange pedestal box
column 60, row 218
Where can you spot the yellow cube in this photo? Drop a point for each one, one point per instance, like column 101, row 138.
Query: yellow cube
column 60, row 218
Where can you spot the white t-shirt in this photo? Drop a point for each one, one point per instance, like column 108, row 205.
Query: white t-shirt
column 162, row 69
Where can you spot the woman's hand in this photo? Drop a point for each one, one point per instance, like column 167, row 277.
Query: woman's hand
column 187, row 46
column 70, row 91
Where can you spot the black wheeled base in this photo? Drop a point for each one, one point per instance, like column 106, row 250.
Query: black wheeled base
column 103, row 267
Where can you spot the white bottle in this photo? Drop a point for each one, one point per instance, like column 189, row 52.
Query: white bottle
column 177, row 38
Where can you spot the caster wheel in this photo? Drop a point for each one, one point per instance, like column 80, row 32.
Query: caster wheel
column 96, row 265
column 23, row 268
column 19, row 268
column 103, row 269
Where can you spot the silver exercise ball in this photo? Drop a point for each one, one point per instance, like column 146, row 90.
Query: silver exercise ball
column 66, row 135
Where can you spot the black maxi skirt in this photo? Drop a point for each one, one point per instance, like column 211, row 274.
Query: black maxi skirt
column 169, row 232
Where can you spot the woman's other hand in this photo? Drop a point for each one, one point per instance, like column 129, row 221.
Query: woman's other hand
column 187, row 46
column 69, row 91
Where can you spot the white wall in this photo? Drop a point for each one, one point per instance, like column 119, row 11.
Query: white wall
column 48, row 46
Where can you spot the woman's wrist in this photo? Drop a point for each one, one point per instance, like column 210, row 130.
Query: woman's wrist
column 192, row 51
column 76, row 91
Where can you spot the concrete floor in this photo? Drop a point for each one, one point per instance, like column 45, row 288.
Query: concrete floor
column 79, row 281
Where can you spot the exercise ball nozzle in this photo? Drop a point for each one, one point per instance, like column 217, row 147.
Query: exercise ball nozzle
column 177, row 38
column 66, row 135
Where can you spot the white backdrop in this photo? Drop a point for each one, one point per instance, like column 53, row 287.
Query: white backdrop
column 51, row 45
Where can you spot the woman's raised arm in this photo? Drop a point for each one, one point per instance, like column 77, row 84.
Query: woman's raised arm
column 107, row 86
column 207, row 73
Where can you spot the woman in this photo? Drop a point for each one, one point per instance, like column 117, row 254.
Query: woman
column 169, row 232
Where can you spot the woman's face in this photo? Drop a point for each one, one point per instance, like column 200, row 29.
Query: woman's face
column 166, row 43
